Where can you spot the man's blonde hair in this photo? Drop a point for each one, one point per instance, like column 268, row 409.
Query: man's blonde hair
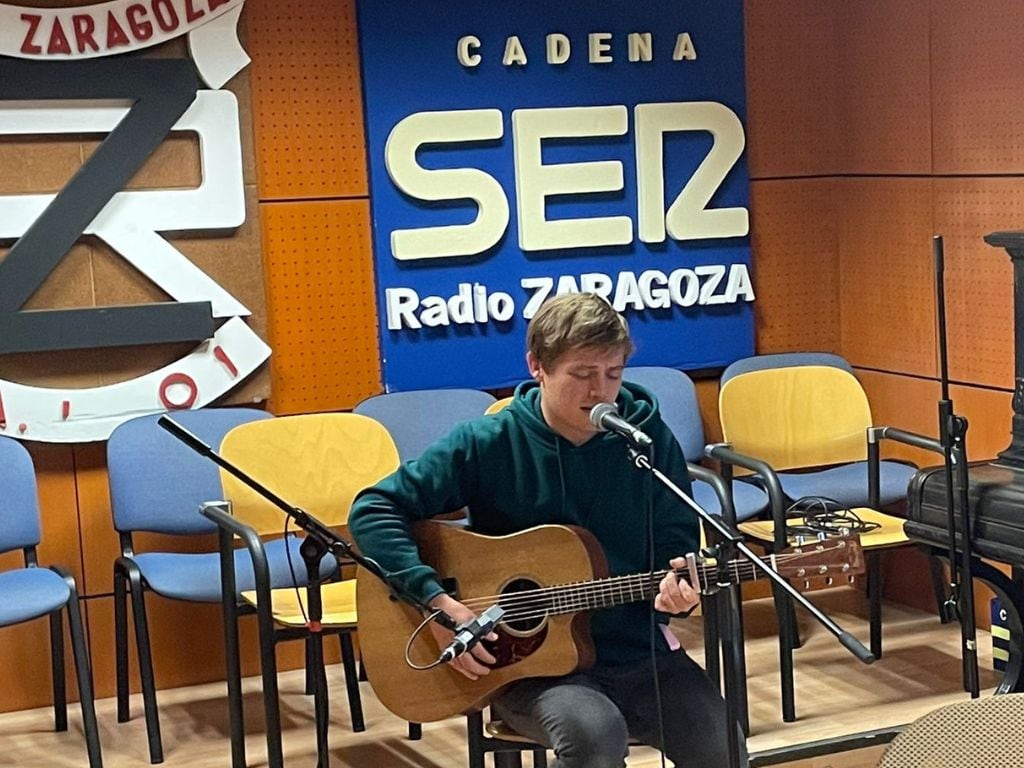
column 572, row 321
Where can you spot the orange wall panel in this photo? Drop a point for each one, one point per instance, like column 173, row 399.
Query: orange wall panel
column 307, row 99
column 795, row 265
column 882, row 86
column 905, row 402
column 323, row 322
column 887, row 305
column 979, row 278
column 977, row 80
column 791, row 131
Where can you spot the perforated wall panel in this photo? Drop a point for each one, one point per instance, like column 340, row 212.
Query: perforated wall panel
column 977, row 79
column 320, row 286
column 790, row 131
column 883, row 105
column 887, row 305
column 979, row 278
column 307, row 101
column 796, row 265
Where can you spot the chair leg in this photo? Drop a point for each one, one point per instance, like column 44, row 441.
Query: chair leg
column 84, row 673
column 784, row 613
column 348, row 660
column 938, row 575
column 60, row 696
column 540, row 758
column 508, row 760
column 475, row 739
column 156, row 749
column 268, row 673
column 875, row 601
column 415, row 731
column 236, row 716
column 121, row 645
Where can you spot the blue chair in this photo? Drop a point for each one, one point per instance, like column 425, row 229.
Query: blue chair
column 677, row 398
column 157, row 485
column 417, row 418
column 33, row 591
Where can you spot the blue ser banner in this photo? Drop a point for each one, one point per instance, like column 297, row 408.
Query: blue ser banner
column 523, row 148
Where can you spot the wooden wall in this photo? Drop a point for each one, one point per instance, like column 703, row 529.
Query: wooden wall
column 872, row 125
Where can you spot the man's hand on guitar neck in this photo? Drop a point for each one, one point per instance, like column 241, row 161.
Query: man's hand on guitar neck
column 675, row 595
column 471, row 664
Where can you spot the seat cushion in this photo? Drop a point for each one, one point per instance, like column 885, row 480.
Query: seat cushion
column 27, row 593
column 290, row 606
column 848, row 484
column 196, row 577
column 749, row 500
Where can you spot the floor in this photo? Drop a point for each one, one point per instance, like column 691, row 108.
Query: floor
column 837, row 696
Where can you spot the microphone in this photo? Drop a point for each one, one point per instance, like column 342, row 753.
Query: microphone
column 605, row 416
column 468, row 635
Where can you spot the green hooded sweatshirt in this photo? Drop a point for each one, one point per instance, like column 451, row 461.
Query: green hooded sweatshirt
column 512, row 472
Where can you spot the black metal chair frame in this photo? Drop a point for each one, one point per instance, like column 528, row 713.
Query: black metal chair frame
column 269, row 636
column 83, row 669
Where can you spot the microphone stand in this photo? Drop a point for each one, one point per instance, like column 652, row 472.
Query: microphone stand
column 320, row 540
column 731, row 542
column 952, row 434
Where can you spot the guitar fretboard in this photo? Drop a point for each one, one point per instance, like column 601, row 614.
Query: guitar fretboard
column 612, row 591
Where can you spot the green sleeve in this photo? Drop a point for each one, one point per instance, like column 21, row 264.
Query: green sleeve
column 439, row 481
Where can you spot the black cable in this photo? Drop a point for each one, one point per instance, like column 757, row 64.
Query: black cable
column 820, row 515
column 291, row 569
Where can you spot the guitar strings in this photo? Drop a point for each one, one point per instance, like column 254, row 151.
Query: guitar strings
column 571, row 598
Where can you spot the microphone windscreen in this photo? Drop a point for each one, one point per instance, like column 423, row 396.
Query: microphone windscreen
column 599, row 411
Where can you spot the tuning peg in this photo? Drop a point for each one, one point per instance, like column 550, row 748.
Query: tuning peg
column 822, row 535
column 800, row 539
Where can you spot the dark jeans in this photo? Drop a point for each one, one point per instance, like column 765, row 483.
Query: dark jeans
column 588, row 717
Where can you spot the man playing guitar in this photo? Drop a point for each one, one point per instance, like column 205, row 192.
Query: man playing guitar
column 541, row 461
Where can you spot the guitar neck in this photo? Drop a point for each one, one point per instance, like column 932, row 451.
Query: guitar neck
column 634, row 588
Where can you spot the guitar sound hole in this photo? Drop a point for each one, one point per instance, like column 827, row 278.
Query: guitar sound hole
column 524, row 614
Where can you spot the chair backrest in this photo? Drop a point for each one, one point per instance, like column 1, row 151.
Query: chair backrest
column 677, row 400
column 499, row 405
column 976, row 733
column 793, row 411
column 157, row 482
column 418, row 418
column 19, row 506
column 318, row 462
column 784, row 360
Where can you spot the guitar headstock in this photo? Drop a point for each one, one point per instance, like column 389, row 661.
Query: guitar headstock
column 821, row 563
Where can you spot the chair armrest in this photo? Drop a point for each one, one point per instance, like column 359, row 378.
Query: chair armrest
column 875, row 435
column 903, row 436
column 768, row 478
column 720, row 487
column 229, row 526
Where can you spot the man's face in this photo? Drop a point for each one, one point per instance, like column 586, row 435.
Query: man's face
column 576, row 382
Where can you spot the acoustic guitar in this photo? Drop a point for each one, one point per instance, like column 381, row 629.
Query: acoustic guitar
column 546, row 579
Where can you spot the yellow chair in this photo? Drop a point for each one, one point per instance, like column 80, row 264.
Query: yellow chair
column 498, row 405
column 319, row 463
column 807, row 417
